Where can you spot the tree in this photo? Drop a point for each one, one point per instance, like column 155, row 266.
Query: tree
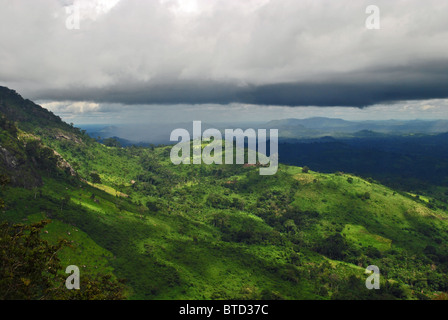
column 365, row 196
column 238, row 203
column 334, row 247
column 31, row 270
column 28, row 265
column 95, row 177
column 290, row 226
column 220, row 220
column 4, row 180
column 305, row 169
column 154, row 206
column 216, row 200
column 65, row 201
column 112, row 142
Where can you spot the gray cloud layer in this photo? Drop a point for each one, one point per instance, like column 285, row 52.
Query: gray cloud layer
column 278, row 52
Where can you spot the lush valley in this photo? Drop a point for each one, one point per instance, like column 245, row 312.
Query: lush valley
column 214, row 231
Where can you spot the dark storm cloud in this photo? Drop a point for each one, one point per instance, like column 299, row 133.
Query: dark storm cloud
column 277, row 52
column 427, row 80
column 383, row 85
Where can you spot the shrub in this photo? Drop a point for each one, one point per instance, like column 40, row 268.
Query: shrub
column 334, row 247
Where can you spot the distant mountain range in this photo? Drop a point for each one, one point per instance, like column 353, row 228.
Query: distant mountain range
column 311, row 128
column 321, row 126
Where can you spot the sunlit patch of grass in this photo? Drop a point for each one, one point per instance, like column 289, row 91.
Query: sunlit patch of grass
column 108, row 189
column 360, row 235
column 81, row 250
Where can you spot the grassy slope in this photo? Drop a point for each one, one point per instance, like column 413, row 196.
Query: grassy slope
column 179, row 253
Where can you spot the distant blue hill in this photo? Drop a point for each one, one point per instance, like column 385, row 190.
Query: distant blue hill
column 311, row 128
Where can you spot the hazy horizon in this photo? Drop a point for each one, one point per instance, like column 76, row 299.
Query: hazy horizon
column 412, row 110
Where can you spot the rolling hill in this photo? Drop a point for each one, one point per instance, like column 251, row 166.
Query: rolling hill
column 214, row 231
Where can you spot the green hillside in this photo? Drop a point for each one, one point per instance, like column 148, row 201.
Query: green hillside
column 218, row 231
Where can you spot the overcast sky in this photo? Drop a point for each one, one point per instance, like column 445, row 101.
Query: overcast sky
column 161, row 60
